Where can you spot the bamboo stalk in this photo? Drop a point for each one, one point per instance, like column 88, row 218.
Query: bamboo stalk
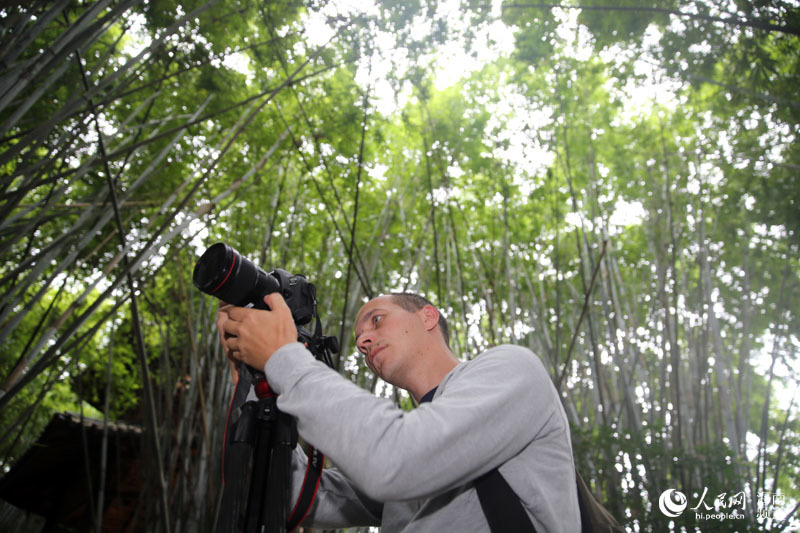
column 17, row 78
column 42, row 129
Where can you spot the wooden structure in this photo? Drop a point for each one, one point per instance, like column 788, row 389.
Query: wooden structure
column 59, row 476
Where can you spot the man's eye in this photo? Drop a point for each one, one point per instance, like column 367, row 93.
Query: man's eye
column 376, row 319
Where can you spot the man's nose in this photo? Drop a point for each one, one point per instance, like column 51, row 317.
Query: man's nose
column 363, row 342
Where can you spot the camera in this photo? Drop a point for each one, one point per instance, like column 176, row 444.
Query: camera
column 226, row 274
column 258, row 434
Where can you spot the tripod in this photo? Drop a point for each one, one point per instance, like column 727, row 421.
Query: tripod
column 258, row 446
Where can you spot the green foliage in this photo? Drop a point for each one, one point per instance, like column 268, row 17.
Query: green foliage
column 58, row 389
column 624, row 21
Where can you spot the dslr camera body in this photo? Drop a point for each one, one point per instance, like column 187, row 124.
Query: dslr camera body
column 226, row 274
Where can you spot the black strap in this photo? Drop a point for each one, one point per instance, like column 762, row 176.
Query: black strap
column 503, row 508
column 308, row 492
column 501, row 505
column 586, row 519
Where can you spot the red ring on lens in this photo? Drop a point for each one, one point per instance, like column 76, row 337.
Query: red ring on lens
column 227, row 276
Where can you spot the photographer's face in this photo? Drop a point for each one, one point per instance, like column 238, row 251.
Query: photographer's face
column 391, row 339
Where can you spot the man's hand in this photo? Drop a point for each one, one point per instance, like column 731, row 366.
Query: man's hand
column 222, row 316
column 253, row 335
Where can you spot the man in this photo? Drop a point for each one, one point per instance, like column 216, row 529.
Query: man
column 415, row 471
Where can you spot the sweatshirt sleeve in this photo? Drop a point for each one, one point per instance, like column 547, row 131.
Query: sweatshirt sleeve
column 338, row 504
column 497, row 405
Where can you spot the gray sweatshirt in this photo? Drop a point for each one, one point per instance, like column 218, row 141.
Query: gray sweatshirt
column 414, row 471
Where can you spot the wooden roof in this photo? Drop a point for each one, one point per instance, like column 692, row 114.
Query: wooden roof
column 59, row 476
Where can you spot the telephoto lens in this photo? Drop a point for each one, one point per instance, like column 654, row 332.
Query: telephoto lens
column 226, row 274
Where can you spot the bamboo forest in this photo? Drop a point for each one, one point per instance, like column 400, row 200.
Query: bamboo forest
column 613, row 184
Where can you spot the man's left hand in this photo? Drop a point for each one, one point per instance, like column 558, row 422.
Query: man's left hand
column 253, row 335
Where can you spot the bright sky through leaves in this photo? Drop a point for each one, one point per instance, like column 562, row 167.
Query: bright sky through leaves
column 452, row 63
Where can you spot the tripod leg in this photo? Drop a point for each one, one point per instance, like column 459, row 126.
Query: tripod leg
column 240, row 438
column 277, row 497
column 258, row 481
column 232, row 504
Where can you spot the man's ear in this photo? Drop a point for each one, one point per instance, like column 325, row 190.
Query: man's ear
column 430, row 317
